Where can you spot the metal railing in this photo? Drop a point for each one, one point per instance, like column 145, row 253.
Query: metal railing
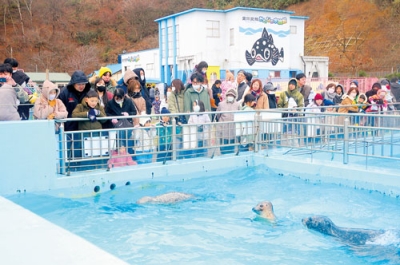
column 365, row 136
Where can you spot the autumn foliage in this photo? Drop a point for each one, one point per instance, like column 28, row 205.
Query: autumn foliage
column 66, row 35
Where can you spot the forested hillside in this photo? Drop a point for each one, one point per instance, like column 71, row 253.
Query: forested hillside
column 64, row 35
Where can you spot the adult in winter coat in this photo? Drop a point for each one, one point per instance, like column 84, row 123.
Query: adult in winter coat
column 73, row 94
column 292, row 92
column 303, row 88
column 256, row 90
column 176, row 100
column 196, row 91
column 145, row 91
column 10, row 94
column 226, row 132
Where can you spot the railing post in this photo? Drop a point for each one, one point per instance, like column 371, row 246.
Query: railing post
column 257, row 122
column 346, row 141
column 173, row 144
column 61, row 148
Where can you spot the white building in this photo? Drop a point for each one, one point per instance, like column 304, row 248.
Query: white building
column 266, row 43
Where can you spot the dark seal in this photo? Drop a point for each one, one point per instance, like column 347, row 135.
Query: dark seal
column 353, row 236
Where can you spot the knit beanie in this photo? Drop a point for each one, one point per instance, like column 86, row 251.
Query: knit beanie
column 318, row 96
column 164, row 110
column 104, row 70
column 354, row 83
column 128, row 75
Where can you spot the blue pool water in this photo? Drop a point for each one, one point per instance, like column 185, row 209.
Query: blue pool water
column 218, row 225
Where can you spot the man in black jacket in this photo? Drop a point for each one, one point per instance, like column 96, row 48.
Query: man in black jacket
column 71, row 95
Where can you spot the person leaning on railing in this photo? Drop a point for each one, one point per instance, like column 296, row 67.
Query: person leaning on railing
column 226, row 132
column 348, row 104
column 48, row 106
column 10, row 94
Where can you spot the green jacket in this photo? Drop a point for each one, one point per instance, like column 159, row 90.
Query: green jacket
column 191, row 95
column 81, row 111
column 295, row 94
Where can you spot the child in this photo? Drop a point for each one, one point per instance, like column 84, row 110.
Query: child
column 164, row 132
column 48, row 106
column 120, row 158
column 249, row 102
column 202, row 129
column 156, row 104
column 362, row 107
column 144, row 133
column 89, row 108
column 245, row 139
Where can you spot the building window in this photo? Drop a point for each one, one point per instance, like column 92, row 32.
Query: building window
column 150, row 66
column 293, row 30
column 232, row 37
column 212, row 28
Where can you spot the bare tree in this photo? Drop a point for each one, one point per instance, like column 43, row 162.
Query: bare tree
column 84, row 58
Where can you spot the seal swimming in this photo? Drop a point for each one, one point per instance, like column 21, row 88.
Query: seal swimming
column 354, row 236
column 170, row 197
column 265, row 210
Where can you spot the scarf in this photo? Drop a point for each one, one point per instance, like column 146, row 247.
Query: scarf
column 52, row 103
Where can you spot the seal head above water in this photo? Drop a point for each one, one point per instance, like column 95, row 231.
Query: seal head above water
column 265, row 210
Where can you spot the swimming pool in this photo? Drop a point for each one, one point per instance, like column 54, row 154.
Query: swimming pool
column 218, row 226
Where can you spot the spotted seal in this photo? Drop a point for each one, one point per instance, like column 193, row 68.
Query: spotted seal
column 265, row 210
column 353, row 236
column 170, row 197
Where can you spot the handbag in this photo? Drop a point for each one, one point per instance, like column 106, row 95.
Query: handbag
column 123, row 123
column 181, row 118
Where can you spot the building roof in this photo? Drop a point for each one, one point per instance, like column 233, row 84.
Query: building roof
column 223, row 11
column 53, row 77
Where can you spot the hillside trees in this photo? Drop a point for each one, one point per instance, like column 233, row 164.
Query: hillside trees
column 46, row 34
column 350, row 36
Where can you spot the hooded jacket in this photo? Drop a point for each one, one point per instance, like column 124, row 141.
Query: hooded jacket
column 81, row 111
column 227, row 131
column 71, row 97
column 8, row 103
column 283, row 101
column 42, row 109
column 145, row 90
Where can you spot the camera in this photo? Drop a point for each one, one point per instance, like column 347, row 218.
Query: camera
column 3, row 79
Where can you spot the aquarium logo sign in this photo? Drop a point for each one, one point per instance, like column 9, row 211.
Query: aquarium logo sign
column 266, row 20
column 132, row 59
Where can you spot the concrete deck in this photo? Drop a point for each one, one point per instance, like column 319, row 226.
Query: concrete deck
column 29, row 239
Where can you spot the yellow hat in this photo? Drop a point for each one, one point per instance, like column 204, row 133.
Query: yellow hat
column 104, row 70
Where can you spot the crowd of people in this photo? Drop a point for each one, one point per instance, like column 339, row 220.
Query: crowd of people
column 102, row 96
